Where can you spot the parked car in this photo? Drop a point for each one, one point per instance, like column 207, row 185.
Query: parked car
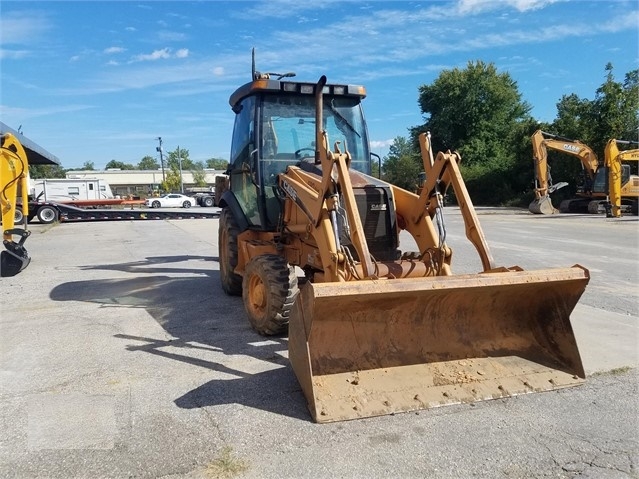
column 172, row 200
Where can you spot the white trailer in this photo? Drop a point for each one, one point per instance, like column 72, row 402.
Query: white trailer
column 70, row 189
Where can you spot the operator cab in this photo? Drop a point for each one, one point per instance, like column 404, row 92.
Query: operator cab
column 275, row 128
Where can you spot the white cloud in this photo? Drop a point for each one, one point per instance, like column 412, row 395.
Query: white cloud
column 479, row 6
column 218, row 71
column 381, row 143
column 13, row 54
column 23, row 28
column 162, row 54
column 112, row 50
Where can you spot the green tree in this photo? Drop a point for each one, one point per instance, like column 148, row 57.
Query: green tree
column 172, row 182
column 46, row 171
column 119, row 165
column 148, row 163
column 199, row 177
column 478, row 112
column 173, row 159
column 217, row 164
column 402, row 165
column 613, row 113
column 616, row 106
column 88, row 165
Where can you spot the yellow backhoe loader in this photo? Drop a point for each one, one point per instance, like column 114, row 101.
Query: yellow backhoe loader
column 373, row 330
column 623, row 187
column 13, row 186
column 541, row 142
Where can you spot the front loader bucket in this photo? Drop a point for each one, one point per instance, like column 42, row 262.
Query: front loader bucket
column 375, row 347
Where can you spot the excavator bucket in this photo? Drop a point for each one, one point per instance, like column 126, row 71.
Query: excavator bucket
column 542, row 206
column 15, row 257
column 376, row 347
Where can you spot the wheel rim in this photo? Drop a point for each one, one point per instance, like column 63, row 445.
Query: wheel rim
column 257, row 295
column 47, row 214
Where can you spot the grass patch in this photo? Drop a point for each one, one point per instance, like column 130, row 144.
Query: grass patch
column 612, row 372
column 226, row 465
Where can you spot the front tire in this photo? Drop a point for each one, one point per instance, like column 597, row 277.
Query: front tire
column 269, row 289
column 208, row 201
column 228, row 232
column 47, row 215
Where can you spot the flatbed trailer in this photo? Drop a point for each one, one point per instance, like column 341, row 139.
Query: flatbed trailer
column 49, row 212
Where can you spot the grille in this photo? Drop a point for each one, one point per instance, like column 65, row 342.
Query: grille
column 378, row 220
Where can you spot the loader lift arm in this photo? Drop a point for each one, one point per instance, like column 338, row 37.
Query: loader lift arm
column 541, row 142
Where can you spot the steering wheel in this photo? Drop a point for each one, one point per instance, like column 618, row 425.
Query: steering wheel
column 297, row 153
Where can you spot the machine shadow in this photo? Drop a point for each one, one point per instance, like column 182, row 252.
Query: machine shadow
column 200, row 318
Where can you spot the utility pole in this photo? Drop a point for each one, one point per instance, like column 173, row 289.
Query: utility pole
column 180, row 161
column 159, row 148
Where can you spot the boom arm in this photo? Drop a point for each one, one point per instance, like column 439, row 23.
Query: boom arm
column 612, row 160
column 13, row 176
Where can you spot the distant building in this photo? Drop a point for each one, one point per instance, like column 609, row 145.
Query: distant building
column 140, row 182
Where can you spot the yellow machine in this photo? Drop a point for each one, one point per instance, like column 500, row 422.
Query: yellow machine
column 374, row 330
column 13, row 185
column 623, row 187
column 541, row 142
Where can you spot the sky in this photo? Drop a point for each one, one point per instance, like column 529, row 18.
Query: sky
column 97, row 81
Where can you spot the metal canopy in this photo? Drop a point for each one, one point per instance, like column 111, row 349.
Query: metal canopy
column 35, row 153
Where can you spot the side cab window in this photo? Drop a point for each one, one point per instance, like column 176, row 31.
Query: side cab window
column 242, row 168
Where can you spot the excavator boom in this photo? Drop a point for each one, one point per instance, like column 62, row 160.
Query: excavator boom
column 13, row 180
column 613, row 159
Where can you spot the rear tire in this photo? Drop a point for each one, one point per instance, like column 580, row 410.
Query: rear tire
column 155, row 204
column 186, row 204
column 208, row 201
column 18, row 217
column 228, row 232
column 47, row 215
column 269, row 290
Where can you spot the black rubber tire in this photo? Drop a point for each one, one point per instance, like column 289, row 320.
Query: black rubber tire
column 228, row 232
column 47, row 215
column 269, row 289
column 186, row 204
column 208, row 201
column 18, row 217
column 155, row 204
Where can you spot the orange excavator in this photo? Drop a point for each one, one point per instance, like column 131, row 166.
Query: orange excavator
column 542, row 204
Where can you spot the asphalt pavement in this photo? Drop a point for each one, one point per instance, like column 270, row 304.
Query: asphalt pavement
column 121, row 357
